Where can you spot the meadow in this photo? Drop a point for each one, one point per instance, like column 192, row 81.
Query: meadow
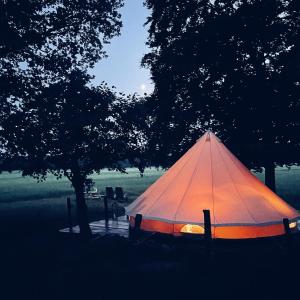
column 43, row 204
column 15, row 188
column 26, row 203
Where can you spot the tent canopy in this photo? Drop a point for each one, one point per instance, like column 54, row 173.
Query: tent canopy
column 209, row 176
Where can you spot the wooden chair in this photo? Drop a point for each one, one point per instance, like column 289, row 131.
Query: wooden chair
column 90, row 191
column 120, row 195
column 110, row 193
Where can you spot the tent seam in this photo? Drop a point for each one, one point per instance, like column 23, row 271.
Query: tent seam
column 212, row 184
column 150, row 189
column 253, row 186
column 190, row 181
column 189, row 152
column 178, row 173
column 237, row 190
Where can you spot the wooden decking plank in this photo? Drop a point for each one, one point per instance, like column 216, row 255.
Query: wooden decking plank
column 101, row 227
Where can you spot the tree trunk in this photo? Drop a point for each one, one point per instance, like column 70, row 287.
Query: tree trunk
column 81, row 208
column 270, row 176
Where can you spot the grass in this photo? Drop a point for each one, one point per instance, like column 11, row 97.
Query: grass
column 43, row 205
column 287, row 184
column 14, row 187
column 33, row 206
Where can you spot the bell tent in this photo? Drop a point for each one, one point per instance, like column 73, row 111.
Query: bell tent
column 210, row 177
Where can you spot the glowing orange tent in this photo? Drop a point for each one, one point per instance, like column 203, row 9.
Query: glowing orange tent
column 210, row 177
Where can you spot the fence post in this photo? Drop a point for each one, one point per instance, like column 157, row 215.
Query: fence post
column 105, row 210
column 135, row 231
column 137, row 222
column 286, row 224
column 207, row 231
column 69, row 209
column 207, row 224
column 287, row 230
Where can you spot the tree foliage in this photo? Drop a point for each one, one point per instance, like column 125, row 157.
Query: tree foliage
column 43, row 40
column 231, row 66
column 54, row 35
column 71, row 129
column 50, row 115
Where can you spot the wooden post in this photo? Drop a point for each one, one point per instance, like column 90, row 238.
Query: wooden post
column 105, row 210
column 114, row 210
column 135, row 231
column 69, row 209
column 286, row 224
column 207, row 233
column 137, row 222
column 287, row 229
column 207, row 224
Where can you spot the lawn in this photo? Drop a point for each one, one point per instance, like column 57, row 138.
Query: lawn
column 288, row 184
column 43, row 204
column 15, row 188
column 31, row 205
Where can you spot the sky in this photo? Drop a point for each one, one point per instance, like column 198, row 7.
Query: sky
column 122, row 68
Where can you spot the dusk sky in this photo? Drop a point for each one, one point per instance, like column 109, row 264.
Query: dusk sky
column 123, row 68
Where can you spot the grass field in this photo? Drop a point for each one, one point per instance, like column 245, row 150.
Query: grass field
column 15, row 188
column 22, row 198
column 27, row 204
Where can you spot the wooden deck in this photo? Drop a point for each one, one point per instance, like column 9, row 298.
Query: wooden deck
column 117, row 226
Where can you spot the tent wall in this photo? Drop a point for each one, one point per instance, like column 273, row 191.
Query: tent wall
column 222, row 232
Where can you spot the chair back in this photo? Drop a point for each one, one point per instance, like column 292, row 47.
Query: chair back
column 119, row 192
column 109, row 192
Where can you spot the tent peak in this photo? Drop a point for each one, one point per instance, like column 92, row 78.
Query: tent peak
column 208, row 135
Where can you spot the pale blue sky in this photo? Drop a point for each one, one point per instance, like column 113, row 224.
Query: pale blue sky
column 122, row 67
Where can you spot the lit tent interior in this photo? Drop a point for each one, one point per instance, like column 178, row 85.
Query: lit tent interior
column 210, row 177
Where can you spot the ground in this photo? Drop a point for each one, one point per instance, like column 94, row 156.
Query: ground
column 26, row 203
column 38, row 263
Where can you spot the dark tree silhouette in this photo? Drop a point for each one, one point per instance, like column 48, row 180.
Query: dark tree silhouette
column 43, row 40
column 55, row 35
column 232, row 66
column 43, row 46
column 70, row 129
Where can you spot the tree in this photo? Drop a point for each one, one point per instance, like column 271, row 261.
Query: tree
column 45, row 47
column 70, row 129
column 232, row 66
column 55, row 35
column 43, row 40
